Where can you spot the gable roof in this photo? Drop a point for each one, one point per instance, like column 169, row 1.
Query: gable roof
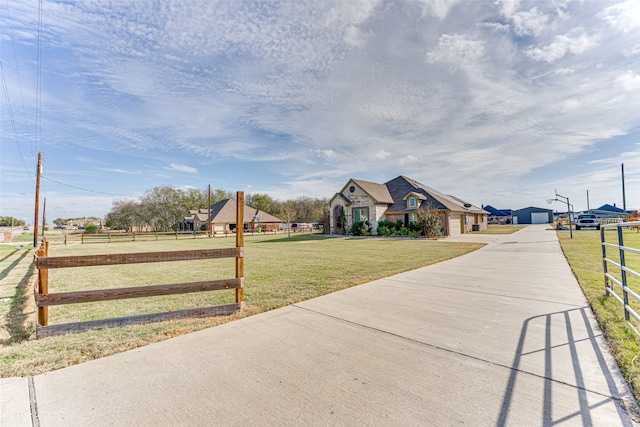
column 224, row 211
column 379, row 192
column 401, row 186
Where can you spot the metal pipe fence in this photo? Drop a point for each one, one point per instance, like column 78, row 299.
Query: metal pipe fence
column 619, row 276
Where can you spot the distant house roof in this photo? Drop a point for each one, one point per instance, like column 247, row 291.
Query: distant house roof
column 224, row 211
column 497, row 212
column 607, row 207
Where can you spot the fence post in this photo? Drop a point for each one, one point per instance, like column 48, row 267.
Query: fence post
column 604, row 257
column 82, row 238
column 240, row 247
column 623, row 274
column 43, row 284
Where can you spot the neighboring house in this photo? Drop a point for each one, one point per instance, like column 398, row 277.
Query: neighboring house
column 613, row 211
column 532, row 215
column 223, row 218
column 498, row 216
column 399, row 200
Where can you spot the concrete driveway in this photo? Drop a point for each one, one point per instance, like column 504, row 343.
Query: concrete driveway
column 499, row 337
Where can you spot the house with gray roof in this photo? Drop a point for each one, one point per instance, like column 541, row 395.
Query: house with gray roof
column 400, row 200
column 223, row 218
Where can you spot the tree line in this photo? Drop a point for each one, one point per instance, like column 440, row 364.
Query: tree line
column 9, row 221
column 163, row 208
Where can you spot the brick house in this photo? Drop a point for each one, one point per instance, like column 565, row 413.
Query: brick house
column 400, row 199
column 223, row 218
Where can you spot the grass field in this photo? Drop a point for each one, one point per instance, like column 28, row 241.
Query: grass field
column 584, row 253
column 278, row 271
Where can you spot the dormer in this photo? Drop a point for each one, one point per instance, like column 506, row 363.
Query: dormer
column 414, row 200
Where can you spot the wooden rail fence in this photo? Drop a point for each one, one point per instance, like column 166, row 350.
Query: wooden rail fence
column 44, row 299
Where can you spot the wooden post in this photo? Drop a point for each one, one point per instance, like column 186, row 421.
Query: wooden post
column 209, row 212
column 240, row 246
column 43, row 285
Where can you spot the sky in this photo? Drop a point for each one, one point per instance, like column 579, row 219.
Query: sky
column 500, row 102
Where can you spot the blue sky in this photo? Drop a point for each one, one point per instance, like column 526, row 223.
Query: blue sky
column 496, row 102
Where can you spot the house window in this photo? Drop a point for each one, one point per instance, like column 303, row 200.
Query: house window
column 413, row 217
column 360, row 214
column 412, row 202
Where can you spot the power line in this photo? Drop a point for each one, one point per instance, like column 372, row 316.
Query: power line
column 19, row 78
column 11, row 119
column 83, row 189
column 38, row 132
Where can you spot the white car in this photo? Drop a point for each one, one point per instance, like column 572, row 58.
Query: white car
column 587, row 220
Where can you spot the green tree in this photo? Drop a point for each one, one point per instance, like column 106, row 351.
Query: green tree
column 260, row 201
column 193, row 199
column 123, row 215
column 8, row 221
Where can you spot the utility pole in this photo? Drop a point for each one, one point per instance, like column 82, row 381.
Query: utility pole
column 587, row 199
column 35, row 221
column 624, row 198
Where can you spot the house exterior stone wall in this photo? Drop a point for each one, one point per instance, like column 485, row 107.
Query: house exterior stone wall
column 359, row 199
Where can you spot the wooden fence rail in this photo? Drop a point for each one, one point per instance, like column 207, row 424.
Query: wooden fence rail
column 44, row 299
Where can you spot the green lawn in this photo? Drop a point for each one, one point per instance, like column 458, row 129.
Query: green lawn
column 584, row 253
column 278, row 271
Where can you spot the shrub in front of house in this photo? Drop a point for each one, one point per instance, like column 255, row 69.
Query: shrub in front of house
column 429, row 223
column 360, row 228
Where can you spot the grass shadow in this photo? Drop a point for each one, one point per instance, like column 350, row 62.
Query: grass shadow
column 19, row 330
column 11, row 266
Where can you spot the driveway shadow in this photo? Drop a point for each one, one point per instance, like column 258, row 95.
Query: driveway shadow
column 575, row 339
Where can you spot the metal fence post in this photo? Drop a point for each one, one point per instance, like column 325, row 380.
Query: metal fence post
column 623, row 273
column 604, row 257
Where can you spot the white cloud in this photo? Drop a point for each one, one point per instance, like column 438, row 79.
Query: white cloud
column 456, row 48
column 629, row 81
column 531, row 22
column 575, row 42
column 381, row 154
column 624, row 16
column 438, row 8
column 508, row 7
column 565, row 71
column 181, row 168
column 409, row 158
column 326, row 154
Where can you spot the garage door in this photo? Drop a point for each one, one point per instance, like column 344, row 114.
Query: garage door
column 455, row 224
column 539, row 217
